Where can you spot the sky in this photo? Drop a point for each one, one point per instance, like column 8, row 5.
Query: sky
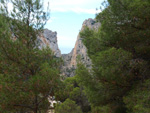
column 66, row 18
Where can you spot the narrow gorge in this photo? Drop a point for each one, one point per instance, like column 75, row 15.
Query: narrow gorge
column 49, row 38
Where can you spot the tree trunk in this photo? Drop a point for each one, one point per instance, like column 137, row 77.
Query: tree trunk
column 36, row 105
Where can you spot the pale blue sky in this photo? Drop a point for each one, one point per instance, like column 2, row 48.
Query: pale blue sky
column 66, row 19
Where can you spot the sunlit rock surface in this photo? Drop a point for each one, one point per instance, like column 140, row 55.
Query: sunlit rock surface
column 49, row 38
column 70, row 60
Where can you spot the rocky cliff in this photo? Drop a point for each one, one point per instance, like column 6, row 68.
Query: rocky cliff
column 70, row 60
column 49, row 38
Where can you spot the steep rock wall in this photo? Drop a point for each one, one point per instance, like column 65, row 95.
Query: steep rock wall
column 70, row 60
column 49, row 38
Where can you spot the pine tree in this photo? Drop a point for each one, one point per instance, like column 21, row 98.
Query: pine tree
column 28, row 74
column 121, row 55
column 71, row 90
column 68, row 106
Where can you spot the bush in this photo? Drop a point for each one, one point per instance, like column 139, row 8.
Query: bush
column 68, row 106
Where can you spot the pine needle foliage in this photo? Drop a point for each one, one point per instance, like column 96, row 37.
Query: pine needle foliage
column 28, row 75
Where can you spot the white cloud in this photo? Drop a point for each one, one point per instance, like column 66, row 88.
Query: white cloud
column 72, row 2
column 77, row 6
column 76, row 10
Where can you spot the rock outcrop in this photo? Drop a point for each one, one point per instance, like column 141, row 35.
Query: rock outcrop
column 49, row 38
column 70, row 60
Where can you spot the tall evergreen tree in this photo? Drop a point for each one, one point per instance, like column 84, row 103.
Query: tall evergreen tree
column 121, row 55
column 28, row 74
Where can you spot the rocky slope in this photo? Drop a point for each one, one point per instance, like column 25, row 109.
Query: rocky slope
column 49, row 38
column 70, row 60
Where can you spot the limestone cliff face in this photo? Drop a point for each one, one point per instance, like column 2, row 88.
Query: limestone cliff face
column 70, row 60
column 49, row 38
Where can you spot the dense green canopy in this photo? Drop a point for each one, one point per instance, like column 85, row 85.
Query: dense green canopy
column 28, row 75
column 120, row 58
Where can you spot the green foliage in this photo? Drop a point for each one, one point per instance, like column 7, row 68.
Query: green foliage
column 125, row 24
column 68, row 106
column 138, row 100
column 30, row 12
column 90, row 39
column 28, row 75
column 119, row 51
column 101, row 109
column 67, row 86
column 71, row 90
column 110, row 72
column 24, row 89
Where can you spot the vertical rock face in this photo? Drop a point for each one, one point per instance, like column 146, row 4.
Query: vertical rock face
column 70, row 60
column 68, row 69
column 49, row 38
